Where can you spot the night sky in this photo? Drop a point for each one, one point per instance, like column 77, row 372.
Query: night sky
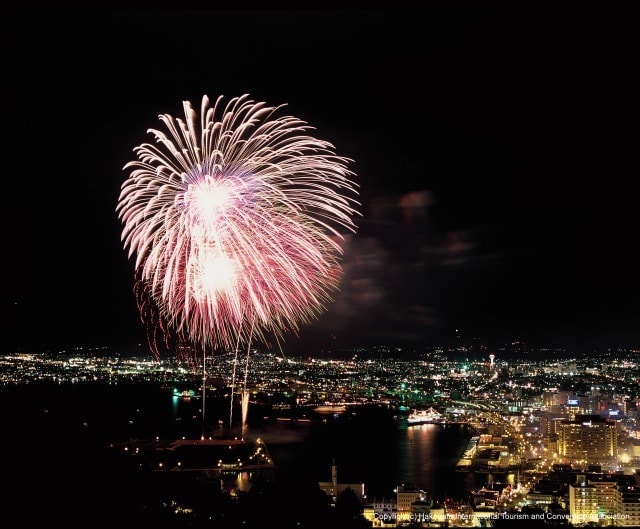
column 494, row 150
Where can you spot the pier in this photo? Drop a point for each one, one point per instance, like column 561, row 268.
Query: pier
column 198, row 455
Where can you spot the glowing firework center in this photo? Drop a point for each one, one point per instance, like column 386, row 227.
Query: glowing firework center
column 210, row 272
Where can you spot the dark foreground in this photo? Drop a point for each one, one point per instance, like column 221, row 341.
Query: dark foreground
column 60, row 467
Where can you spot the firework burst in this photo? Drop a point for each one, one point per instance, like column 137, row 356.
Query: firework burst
column 236, row 221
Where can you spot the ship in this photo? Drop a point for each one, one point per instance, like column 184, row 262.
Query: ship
column 184, row 393
column 428, row 416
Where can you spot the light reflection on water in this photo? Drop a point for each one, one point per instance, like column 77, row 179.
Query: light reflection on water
column 416, row 451
column 380, row 456
column 427, row 456
column 372, row 447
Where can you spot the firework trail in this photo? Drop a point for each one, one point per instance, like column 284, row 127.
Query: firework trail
column 236, row 219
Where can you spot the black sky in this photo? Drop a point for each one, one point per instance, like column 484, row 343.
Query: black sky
column 495, row 152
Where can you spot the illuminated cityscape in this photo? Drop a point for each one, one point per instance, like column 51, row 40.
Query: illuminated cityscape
column 556, row 437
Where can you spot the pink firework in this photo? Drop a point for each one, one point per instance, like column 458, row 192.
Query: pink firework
column 236, row 220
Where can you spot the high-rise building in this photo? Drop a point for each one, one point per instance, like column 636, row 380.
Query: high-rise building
column 606, row 485
column 583, row 502
column 548, row 423
column 588, row 438
column 627, row 509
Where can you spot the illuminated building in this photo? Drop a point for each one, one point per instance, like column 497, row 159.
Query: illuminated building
column 381, row 513
column 583, row 501
column 634, row 448
column 548, row 423
column 406, row 495
column 627, row 509
column 606, row 485
column 588, row 438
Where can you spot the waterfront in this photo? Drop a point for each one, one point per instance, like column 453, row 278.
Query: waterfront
column 376, row 448
column 59, row 431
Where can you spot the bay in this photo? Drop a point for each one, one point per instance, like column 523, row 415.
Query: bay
column 55, row 434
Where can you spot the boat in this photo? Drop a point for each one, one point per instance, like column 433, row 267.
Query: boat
column 186, row 393
column 428, row 416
